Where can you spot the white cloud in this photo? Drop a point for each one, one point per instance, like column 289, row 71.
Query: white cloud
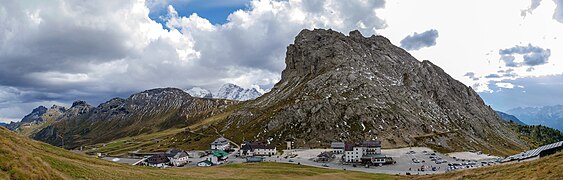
column 96, row 50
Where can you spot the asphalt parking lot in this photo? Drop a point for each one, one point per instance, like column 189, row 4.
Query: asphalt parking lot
column 404, row 162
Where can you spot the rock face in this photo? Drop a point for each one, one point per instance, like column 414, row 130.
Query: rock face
column 145, row 112
column 35, row 116
column 350, row 88
column 551, row 116
column 508, row 117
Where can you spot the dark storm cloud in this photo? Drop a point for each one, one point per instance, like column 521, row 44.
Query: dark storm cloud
column 532, row 55
column 418, row 41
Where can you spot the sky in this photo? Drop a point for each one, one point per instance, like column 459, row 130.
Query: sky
column 58, row 51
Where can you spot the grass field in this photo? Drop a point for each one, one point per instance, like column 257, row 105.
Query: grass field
column 23, row 158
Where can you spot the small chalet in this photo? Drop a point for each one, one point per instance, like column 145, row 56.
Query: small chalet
column 218, row 157
column 158, row 160
column 178, row 157
column 220, row 143
column 257, row 149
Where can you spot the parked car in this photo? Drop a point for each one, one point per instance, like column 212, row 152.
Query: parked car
column 325, row 165
column 291, row 160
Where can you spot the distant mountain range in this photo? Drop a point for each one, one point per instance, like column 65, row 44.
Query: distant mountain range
column 145, row 112
column 508, row 117
column 551, row 116
column 227, row 91
column 3, row 124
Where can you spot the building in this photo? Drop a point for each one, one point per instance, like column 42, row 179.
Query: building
column 218, row 157
column 538, row 152
column 205, row 163
column 354, row 152
column 376, row 159
column 326, row 156
column 158, row 160
column 337, row 147
column 178, row 157
column 257, row 149
column 220, row 144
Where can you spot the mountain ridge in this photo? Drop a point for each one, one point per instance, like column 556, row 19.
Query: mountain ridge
column 551, row 116
column 509, row 117
column 226, row 91
column 144, row 112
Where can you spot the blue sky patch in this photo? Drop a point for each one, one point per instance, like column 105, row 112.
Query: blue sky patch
column 216, row 11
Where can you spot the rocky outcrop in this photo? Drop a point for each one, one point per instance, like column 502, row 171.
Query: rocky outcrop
column 145, row 112
column 349, row 88
column 38, row 116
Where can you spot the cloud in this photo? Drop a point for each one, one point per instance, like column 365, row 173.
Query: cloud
column 532, row 55
column 526, row 91
column 471, row 76
column 534, row 4
column 59, row 51
column 492, row 76
column 418, row 41
column 558, row 14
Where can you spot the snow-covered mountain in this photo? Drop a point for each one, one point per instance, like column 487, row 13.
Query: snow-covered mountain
column 199, row 92
column 234, row 92
column 227, row 91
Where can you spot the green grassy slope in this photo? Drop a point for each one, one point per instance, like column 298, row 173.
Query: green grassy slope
column 23, row 158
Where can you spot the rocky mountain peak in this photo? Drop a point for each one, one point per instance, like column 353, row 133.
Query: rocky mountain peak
column 58, row 108
column 79, row 103
column 348, row 88
column 35, row 115
column 317, row 51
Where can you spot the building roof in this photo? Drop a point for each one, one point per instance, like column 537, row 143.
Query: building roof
column 158, row 158
column 337, row 145
column 372, row 143
column 349, row 147
column 220, row 141
column 219, row 153
column 257, row 145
